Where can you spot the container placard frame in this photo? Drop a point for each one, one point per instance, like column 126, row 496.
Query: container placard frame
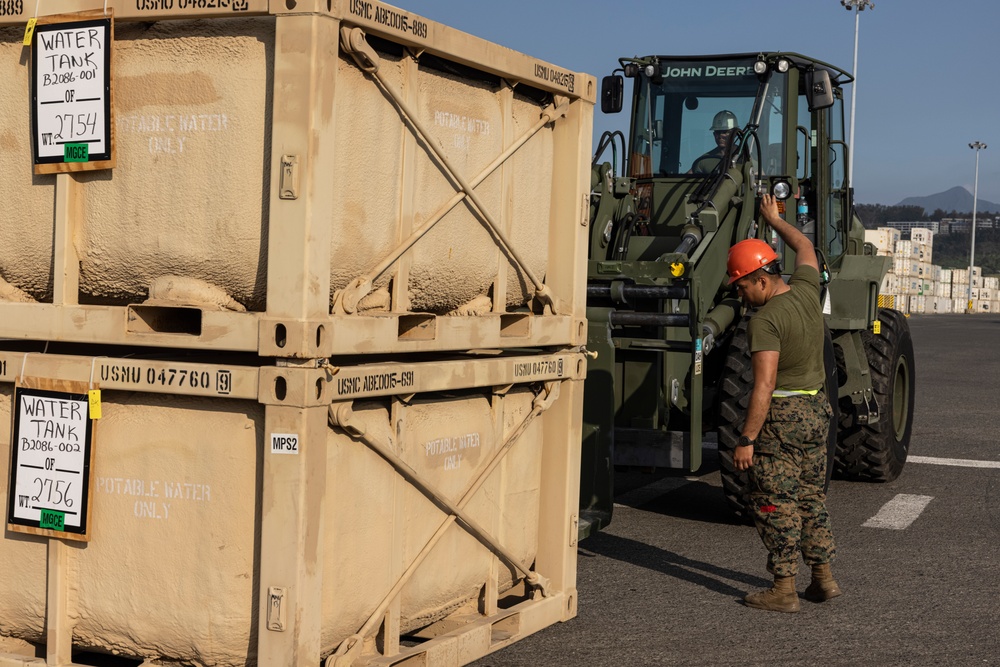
column 71, row 116
column 50, row 483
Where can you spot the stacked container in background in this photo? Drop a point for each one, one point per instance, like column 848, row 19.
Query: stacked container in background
column 916, row 285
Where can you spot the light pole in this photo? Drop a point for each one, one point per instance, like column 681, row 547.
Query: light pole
column 976, row 146
column 857, row 6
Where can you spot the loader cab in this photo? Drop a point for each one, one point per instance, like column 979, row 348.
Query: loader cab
column 676, row 115
column 784, row 112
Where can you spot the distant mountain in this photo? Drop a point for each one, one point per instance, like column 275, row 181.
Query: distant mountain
column 957, row 199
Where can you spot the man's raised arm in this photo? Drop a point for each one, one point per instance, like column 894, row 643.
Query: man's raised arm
column 805, row 253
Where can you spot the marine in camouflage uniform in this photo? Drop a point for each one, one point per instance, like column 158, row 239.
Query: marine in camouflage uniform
column 784, row 437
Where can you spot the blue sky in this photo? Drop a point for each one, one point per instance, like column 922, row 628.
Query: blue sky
column 923, row 94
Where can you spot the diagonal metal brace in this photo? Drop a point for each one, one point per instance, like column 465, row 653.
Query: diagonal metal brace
column 350, row 649
column 353, row 42
column 342, row 415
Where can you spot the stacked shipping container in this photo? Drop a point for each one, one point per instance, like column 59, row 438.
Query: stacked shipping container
column 917, row 285
column 333, row 294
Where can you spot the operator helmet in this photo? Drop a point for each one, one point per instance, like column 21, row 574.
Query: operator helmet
column 747, row 256
column 724, row 121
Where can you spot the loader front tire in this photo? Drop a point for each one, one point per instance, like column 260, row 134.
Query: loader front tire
column 877, row 452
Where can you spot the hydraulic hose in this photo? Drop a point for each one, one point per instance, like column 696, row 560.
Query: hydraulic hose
column 608, row 139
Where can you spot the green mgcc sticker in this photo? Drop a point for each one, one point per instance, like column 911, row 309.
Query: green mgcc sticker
column 76, row 152
column 52, row 520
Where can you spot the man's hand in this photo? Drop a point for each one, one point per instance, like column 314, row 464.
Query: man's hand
column 805, row 253
column 743, row 457
column 769, row 209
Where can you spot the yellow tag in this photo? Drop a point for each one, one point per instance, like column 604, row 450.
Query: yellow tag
column 29, row 31
column 877, row 327
column 94, row 397
column 677, row 269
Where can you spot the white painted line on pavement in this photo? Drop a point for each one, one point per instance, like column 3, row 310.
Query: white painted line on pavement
column 899, row 513
column 644, row 494
column 964, row 463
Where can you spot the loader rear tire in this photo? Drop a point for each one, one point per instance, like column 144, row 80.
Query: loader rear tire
column 877, row 452
column 735, row 387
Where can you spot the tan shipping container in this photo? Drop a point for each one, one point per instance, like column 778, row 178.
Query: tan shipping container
column 447, row 514
column 890, row 284
column 435, row 199
column 883, row 239
column 942, row 305
column 280, row 199
column 907, row 250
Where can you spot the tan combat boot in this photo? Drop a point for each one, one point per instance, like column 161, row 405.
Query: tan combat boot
column 780, row 597
column 822, row 587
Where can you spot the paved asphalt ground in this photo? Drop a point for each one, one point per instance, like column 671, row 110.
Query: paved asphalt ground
column 662, row 585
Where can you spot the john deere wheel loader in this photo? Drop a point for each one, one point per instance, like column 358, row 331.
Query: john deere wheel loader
column 709, row 136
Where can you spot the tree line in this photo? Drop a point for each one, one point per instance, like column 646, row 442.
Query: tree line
column 879, row 215
column 951, row 251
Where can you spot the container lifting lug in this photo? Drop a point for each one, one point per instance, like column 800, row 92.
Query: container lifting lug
column 353, row 41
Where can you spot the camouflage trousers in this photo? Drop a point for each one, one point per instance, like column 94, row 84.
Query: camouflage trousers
column 786, row 483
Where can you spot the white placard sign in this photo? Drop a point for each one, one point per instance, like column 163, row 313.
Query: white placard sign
column 285, row 443
column 50, row 463
column 71, row 94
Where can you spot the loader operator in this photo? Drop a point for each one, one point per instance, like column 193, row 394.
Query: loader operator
column 784, row 438
column 723, row 123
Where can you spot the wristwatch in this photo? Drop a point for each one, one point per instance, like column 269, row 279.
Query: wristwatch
column 744, row 441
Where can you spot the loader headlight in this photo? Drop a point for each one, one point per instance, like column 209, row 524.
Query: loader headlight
column 782, row 65
column 781, row 189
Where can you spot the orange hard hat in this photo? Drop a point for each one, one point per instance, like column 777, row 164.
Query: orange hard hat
column 747, row 256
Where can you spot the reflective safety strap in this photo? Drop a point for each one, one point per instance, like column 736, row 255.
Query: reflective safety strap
column 781, row 393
